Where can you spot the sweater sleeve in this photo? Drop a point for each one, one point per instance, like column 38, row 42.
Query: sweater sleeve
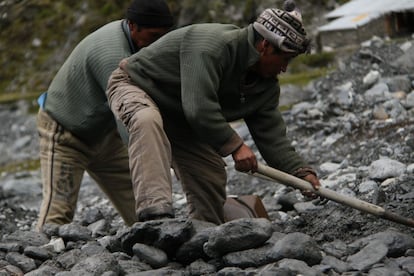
column 268, row 130
column 201, row 72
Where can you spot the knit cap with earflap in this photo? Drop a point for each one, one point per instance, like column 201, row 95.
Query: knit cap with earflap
column 150, row 13
column 283, row 28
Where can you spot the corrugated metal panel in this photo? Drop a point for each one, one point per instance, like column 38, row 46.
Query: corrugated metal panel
column 349, row 22
column 371, row 6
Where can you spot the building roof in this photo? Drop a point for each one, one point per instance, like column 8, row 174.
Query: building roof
column 371, row 6
column 349, row 22
column 357, row 13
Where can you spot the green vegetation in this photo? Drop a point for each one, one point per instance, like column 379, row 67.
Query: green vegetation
column 13, row 97
column 303, row 78
column 318, row 60
column 37, row 36
column 17, row 166
column 306, row 68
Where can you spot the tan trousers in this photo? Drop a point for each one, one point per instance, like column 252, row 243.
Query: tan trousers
column 64, row 159
column 156, row 145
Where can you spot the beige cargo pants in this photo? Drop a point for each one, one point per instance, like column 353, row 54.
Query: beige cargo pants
column 156, row 145
column 64, row 159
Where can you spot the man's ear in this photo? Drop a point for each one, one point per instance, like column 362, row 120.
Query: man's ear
column 265, row 45
column 261, row 46
column 133, row 27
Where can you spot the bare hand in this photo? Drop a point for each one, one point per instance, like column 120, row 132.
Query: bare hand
column 245, row 159
column 312, row 179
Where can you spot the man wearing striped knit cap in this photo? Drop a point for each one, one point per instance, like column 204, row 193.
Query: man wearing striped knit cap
column 177, row 97
column 77, row 129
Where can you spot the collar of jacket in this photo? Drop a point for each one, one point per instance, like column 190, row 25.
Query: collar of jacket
column 252, row 54
column 127, row 33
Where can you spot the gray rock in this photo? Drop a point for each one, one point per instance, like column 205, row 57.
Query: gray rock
column 26, row 238
column 288, row 200
column 74, row 273
column 395, row 109
column 336, row 248
column 249, row 258
column 75, row 232
column 236, row 235
column 93, row 248
column 407, row 264
column 386, row 168
column 8, row 270
column 299, row 267
column 192, row 249
column 306, row 207
column 56, row 245
column 377, row 94
column 343, row 96
column 336, row 264
column 97, row 265
column 167, row 235
column 291, row 94
column 385, row 271
column 329, row 167
column 275, row 269
column 99, row 228
column 371, row 78
column 45, row 270
column 405, row 61
column 371, row 254
column 398, row 83
column 409, row 101
column 111, row 243
column 70, row 258
column 133, row 266
column 91, row 215
column 22, row 186
column 37, row 253
column 396, row 242
column 200, row 267
column 379, row 112
column 25, row 263
column 297, row 246
column 11, row 247
column 155, row 257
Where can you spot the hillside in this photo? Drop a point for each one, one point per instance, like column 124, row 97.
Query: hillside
column 37, row 35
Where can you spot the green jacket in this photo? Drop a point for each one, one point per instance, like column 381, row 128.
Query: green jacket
column 197, row 77
column 76, row 97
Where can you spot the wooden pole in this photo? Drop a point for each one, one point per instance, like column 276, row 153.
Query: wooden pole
column 298, row 183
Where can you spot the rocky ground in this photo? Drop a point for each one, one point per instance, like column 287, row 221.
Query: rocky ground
column 356, row 128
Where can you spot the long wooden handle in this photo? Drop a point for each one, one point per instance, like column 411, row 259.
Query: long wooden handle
column 269, row 173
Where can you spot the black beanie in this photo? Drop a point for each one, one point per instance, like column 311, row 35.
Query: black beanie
column 150, row 13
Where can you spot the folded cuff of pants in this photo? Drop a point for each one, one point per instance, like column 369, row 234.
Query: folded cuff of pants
column 156, row 211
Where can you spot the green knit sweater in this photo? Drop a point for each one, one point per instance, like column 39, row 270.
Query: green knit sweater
column 76, row 97
column 197, row 77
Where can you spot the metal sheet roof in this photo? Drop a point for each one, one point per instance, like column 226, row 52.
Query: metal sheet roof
column 359, row 12
column 349, row 22
column 371, row 6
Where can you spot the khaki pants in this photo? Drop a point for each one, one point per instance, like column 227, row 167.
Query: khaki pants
column 64, row 159
column 155, row 146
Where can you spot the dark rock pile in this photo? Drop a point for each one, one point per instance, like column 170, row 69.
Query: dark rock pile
column 355, row 126
column 183, row 247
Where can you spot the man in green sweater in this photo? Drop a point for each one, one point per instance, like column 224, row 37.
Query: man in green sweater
column 77, row 129
column 177, row 97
